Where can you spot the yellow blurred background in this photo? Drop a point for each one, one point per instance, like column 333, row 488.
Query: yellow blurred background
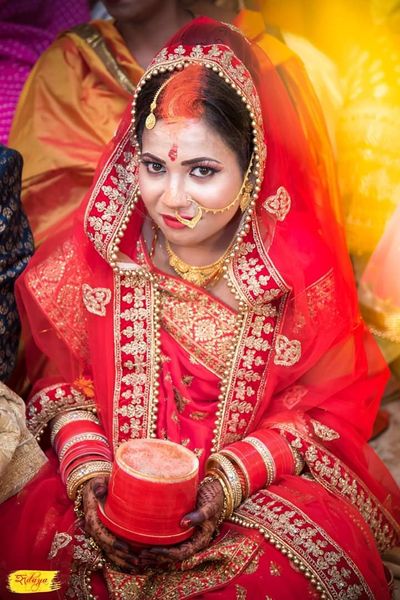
column 334, row 26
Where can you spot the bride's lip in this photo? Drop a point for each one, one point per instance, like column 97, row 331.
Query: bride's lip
column 173, row 222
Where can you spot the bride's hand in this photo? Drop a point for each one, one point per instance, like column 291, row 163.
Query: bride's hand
column 117, row 551
column 210, row 504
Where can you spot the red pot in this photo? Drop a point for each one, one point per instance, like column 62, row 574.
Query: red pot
column 153, row 484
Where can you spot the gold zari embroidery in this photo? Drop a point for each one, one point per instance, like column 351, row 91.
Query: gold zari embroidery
column 306, row 543
column 62, row 302
column 279, row 204
column 241, row 593
column 96, row 299
column 203, row 326
column 206, row 570
column 60, row 540
column 287, row 352
column 324, row 432
column 339, row 479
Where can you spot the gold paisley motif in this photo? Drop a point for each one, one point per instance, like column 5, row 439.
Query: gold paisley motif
column 255, row 563
column 287, row 352
column 324, row 432
column 60, row 540
column 278, row 204
column 96, row 299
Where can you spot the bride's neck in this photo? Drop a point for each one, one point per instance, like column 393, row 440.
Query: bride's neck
column 209, row 250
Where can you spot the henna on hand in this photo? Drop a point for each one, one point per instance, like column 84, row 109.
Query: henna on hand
column 116, row 550
column 210, row 504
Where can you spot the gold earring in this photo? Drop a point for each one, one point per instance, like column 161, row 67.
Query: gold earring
column 243, row 196
column 246, row 196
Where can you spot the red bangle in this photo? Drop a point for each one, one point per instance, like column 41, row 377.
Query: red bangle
column 72, row 429
column 261, row 458
column 280, row 450
column 66, row 470
column 83, row 450
column 85, row 440
column 250, row 459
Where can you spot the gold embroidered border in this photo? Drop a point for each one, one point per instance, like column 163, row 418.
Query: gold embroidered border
column 339, row 479
column 135, row 356
column 87, row 557
column 246, row 375
column 304, row 542
column 51, row 401
column 212, row 568
column 232, row 408
column 109, row 204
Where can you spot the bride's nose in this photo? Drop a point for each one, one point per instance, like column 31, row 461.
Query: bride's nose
column 175, row 197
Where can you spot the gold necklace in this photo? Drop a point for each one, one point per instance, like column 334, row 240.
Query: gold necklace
column 201, row 276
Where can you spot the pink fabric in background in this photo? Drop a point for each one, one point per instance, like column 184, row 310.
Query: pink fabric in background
column 27, row 28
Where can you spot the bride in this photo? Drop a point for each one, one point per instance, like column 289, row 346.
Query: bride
column 205, row 297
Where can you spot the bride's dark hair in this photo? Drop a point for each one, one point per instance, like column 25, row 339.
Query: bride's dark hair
column 223, row 109
column 197, row 92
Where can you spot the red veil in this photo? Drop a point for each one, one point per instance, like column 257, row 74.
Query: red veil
column 303, row 364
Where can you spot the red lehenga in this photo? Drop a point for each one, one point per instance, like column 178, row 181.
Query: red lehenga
column 155, row 355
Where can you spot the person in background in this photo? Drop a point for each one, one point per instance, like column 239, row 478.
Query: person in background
column 16, row 248
column 98, row 10
column 84, row 81
column 82, row 85
column 20, row 455
column 27, row 28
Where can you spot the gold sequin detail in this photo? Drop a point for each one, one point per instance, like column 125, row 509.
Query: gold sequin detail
column 203, row 326
column 274, row 569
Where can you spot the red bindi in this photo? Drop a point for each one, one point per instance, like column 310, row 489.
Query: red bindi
column 173, row 153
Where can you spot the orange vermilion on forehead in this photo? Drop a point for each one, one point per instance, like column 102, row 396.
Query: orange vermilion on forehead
column 182, row 96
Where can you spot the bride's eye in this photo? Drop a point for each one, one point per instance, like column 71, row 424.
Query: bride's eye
column 153, row 167
column 203, row 171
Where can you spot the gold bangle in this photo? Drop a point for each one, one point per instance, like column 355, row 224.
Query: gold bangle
column 237, row 461
column 299, row 462
column 84, row 472
column 229, row 495
column 226, row 489
column 266, row 456
column 82, row 437
column 75, row 415
column 223, row 463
